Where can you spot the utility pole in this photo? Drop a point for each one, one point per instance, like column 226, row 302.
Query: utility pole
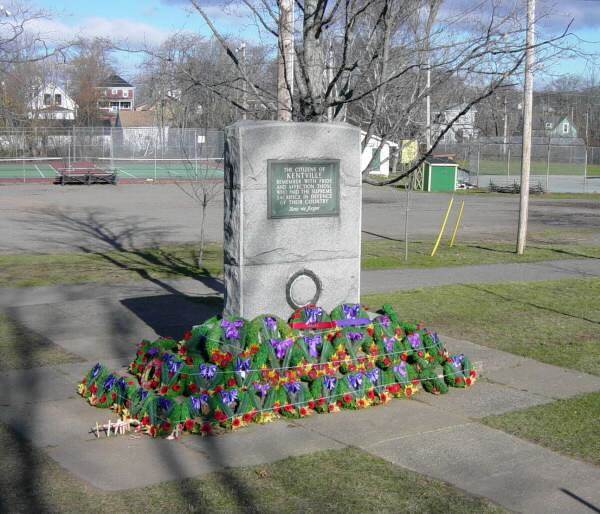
column 285, row 60
column 330, row 63
column 428, row 104
column 505, row 137
column 527, row 116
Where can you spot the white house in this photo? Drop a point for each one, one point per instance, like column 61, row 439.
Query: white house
column 463, row 128
column 378, row 157
column 51, row 102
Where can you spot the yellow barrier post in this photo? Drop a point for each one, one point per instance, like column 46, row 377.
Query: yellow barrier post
column 462, row 206
column 437, row 243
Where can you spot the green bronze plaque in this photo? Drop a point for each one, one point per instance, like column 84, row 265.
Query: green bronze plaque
column 298, row 188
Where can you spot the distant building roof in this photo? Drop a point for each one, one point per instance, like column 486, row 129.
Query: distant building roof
column 135, row 119
column 114, row 81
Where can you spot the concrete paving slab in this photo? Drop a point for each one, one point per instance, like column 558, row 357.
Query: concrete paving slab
column 486, row 358
column 545, row 379
column 126, row 462
column 35, row 385
column 55, row 423
column 260, row 444
column 512, row 472
column 483, row 399
column 399, row 418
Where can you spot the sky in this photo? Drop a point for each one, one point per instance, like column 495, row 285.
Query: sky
column 151, row 21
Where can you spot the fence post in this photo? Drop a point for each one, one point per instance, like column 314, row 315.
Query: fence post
column 508, row 162
column 585, row 165
column 548, row 168
column 478, row 158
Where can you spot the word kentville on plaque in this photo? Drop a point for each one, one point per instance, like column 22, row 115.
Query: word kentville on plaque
column 303, row 188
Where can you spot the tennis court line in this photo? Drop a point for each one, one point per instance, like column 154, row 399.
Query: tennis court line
column 126, row 173
column 39, row 171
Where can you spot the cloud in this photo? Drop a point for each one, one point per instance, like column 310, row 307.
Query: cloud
column 117, row 29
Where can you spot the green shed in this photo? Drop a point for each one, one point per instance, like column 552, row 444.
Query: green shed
column 439, row 174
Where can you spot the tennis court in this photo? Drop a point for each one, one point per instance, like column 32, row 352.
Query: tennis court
column 36, row 169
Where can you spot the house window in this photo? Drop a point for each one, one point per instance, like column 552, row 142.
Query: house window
column 125, row 105
column 114, row 91
column 57, row 99
column 47, row 99
column 548, row 125
column 125, row 93
column 565, row 128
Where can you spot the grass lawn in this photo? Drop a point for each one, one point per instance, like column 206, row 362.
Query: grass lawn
column 555, row 321
column 22, row 348
column 535, row 197
column 177, row 261
column 570, row 426
column 540, row 167
column 390, row 254
column 347, row 480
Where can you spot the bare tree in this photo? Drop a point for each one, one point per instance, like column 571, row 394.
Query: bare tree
column 382, row 51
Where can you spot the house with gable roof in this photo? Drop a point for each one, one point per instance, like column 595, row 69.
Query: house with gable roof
column 116, row 94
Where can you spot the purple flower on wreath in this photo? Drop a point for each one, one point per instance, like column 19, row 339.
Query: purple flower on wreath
column 329, row 382
column 281, row 346
column 292, row 387
column 388, row 342
column 355, row 380
column 228, row 395
column 350, row 310
column 96, row 369
column 457, row 360
column 164, row 404
column 400, row 368
column 109, row 382
column 143, row 393
column 174, row 366
column 241, row 364
column 232, row 328
column 354, row 336
column 312, row 342
column 198, row 401
column 207, row 371
column 312, row 314
column 414, row 339
column 270, row 322
column 152, row 351
column 122, row 384
column 373, row 375
column 384, row 321
column 262, row 389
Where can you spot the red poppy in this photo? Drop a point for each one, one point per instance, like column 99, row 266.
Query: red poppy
column 370, row 331
column 153, row 384
column 145, row 420
column 468, row 381
column 103, row 398
column 312, row 374
column 386, row 361
column 473, row 373
column 189, row 361
column 415, row 382
column 164, row 390
column 192, row 387
column 176, row 387
column 140, row 368
column 218, row 388
column 403, row 356
column 303, row 411
column 166, row 426
column 130, row 382
column 458, row 380
column 383, row 397
column 206, row 428
column 187, row 335
column 371, row 394
column 220, row 416
column 321, row 401
column 408, row 392
column 93, row 389
column 84, row 380
column 347, row 398
column 420, row 353
column 152, row 431
column 189, row 424
column 231, row 382
column 247, row 417
column 311, row 404
column 113, row 395
column 288, row 407
column 236, row 422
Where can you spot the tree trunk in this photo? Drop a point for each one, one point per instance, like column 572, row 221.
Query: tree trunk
column 314, row 65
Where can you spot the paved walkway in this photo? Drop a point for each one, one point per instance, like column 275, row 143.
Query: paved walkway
column 437, row 436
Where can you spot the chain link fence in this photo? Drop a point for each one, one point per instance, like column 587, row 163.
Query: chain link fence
column 144, row 153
